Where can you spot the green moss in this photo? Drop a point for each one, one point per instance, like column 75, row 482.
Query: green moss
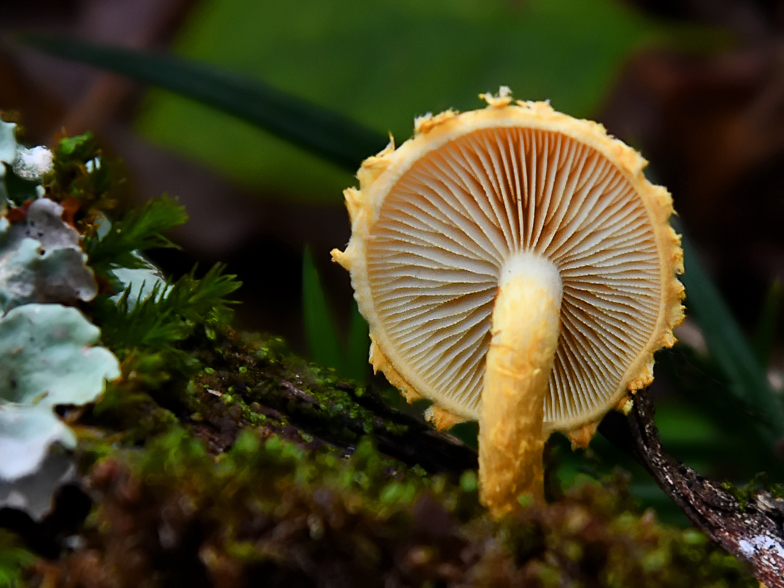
column 14, row 558
column 743, row 494
column 84, row 179
column 251, row 371
column 270, row 512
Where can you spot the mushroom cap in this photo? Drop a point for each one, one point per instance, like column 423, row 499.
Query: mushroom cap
column 434, row 221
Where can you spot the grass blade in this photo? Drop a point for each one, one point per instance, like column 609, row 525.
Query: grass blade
column 728, row 347
column 321, row 131
column 356, row 359
column 765, row 335
column 320, row 331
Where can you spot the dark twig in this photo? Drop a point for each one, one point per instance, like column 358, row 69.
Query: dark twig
column 752, row 531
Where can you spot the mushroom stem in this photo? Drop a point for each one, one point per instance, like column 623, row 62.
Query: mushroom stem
column 525, row 328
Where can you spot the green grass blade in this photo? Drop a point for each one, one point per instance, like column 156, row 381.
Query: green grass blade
column 765, row 335
column 320, row 332
column 706, row 422
column 357, row 350
column 325, row 133
column 729, row 348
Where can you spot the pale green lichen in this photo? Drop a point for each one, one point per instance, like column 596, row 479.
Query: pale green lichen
column 49, row 359
column 25, row 437
column 32, row 164
column 140, row 283
column 27, row 167
column 48, row 347
column 7, row 156
column 41, row 260
column 7, row 142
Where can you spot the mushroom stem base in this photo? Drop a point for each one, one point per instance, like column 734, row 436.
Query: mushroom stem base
column 525, row 337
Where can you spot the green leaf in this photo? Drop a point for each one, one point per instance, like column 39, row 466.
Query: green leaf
column 320, row 331
column 316, row 129
column 384, row 62
column 706, row 423
column 75, row 146
column 765, row 335
column 356, row 360
column 728, row 347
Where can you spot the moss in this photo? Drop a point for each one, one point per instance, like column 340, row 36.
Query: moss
column 14, row 558
column 747, row 492
column 85, row 180
column 245, row 493
column 268, row 512
column 260, row 377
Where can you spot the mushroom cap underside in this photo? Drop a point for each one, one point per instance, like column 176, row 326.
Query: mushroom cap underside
column 435, row 220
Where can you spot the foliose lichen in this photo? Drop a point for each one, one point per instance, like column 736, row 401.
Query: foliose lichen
column 7, row 156
column 48, row 347
column 41, row 259
column 52, row 357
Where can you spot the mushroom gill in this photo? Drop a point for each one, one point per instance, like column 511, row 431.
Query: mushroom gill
column 514, row 206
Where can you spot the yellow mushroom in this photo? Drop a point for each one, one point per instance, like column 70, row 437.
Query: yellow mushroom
column 515, row 268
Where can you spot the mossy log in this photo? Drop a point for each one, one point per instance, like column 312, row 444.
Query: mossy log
column 217, row 459
column 265, row 471
column 259, row 384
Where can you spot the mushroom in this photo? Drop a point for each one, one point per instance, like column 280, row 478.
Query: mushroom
column 515, row 268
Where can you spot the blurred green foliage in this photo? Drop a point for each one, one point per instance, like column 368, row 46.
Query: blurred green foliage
column 321, row 331
column 765, row 335
column 13, row 559
column 729, row 349
column 382, row 63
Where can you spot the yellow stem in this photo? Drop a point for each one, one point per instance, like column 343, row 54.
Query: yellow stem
column 524, row 340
